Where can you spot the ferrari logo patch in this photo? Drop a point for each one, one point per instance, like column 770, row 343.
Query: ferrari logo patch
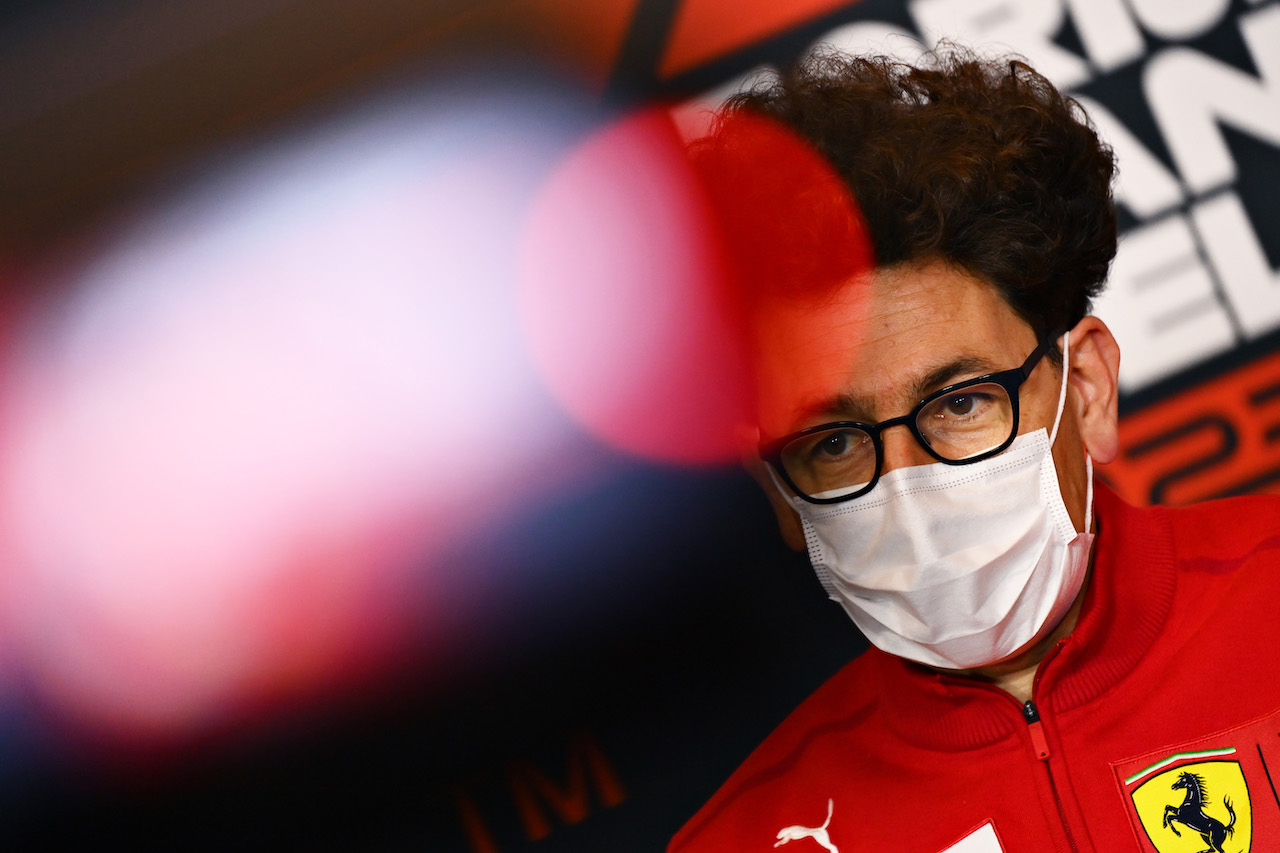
column 1195, row 803
column 1215, row 794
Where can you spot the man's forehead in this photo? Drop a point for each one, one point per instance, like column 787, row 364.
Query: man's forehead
column 879, row 344
column 854, row 314
column 869, row 397
column 892, row 396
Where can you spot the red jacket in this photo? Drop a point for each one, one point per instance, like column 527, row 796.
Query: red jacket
column 1158, row 720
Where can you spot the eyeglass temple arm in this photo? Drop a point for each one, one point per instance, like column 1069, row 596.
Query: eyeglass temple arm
column 1034, row 359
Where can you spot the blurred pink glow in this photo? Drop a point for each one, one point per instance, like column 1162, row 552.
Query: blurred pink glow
column 257, row 409
column 623, row 297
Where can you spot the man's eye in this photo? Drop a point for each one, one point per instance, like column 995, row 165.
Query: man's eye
column 961, row 405
column 834, row 445
column 841, row 445
column 968, row 405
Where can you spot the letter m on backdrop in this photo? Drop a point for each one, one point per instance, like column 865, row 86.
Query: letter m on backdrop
column 536, row 794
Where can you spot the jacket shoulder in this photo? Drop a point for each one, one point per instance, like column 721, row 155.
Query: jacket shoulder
column 792, row 759
column 1227, row 528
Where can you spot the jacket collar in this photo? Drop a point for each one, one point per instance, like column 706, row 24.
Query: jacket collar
column 1130, row 595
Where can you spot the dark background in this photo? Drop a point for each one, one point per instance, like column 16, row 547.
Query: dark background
column 657, row 629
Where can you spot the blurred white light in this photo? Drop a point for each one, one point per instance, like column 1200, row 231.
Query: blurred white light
column 219, row 431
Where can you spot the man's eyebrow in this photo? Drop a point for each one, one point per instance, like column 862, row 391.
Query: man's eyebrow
column 858, row 407
column 956, row 370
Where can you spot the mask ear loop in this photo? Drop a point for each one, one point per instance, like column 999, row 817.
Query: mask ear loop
column 1057, row 420
column 1088, row 494
column 1062, row 392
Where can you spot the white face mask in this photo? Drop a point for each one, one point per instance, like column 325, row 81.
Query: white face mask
column 956, row 566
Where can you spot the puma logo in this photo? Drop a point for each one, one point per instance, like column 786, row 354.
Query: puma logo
column 817, row 833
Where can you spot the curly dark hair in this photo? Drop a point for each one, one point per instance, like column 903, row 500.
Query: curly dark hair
column 980, row 163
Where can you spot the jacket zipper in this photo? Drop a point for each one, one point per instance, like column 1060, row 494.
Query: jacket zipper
column 1040, row 744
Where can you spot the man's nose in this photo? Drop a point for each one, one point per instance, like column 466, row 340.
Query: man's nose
column 901, row 449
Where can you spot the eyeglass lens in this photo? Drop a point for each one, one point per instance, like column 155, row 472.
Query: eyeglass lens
column 955, row 426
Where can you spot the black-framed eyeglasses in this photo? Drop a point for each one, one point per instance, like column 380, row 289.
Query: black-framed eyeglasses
column 960, row 424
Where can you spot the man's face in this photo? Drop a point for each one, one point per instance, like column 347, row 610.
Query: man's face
column 884, row 341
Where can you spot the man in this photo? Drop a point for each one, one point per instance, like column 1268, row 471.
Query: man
column 1052, row 669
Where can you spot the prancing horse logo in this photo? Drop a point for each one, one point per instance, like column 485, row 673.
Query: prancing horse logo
column 1191, row 814
column 817, row 833
column 1172, row 796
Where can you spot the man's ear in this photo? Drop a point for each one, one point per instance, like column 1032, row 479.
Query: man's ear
column 1095, row 371
column 788, row 520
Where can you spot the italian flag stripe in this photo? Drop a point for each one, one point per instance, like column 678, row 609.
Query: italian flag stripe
column 1178, row 756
